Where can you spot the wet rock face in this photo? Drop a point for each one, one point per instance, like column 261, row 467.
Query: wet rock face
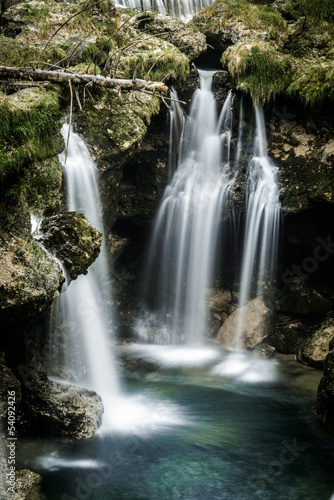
column 310, row 342
column 54, row 409
column 187, row 40
column 220, row 304
column 257, row 318
column 70, row 237
column 8, row 383
column 325, row 398
column 29, row 279
column 316, row 348
column 302, row 300
column 304, row 153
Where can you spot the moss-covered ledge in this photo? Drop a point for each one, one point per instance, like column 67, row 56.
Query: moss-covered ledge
column 268, row 57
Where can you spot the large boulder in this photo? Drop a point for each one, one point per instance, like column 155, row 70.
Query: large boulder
column 29, row 279
column 290, row 335
column 316, row 348
column 325, row 398
column 220, row 304
column 191, row 42
column 71, row 238
column 226, row 23
column 54, row 409
column 255, row 317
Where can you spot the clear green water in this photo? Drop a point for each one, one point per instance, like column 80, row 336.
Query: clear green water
column 235, row 427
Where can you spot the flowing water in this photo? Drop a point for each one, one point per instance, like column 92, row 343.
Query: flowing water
column 226, row 426
column 196, row 421
column 187, row 225
column 181, row 9
column 84, row 306
column 262, row 223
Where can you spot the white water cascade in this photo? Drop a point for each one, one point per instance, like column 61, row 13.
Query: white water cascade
column 187, row 225
column 181, row 9
column 84, row 305
column 262, row 222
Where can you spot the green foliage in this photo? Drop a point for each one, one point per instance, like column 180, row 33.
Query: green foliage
column 14, row 52
column 317, row 9
column 314, row 84
column 224, row 13
column 157, row 61
column 258, row 69
column 26, row 128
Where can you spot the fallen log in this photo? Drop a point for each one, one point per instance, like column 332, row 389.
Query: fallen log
column 7, row 72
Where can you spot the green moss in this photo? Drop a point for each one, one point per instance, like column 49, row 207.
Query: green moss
column 227, row 13
column 27, row 128
column 14, row 52
column 259, row 69
column 314, row 84
column 43, row 185
column 153, row 59
column 323, row 10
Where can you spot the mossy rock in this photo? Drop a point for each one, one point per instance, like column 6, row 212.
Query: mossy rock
column 71, row 238
column 28, row 128
column 29, row 279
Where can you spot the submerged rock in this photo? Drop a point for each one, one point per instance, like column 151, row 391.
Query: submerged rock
column 54, row 409
column 325, row 398
column 256, row 325
column 71, row 238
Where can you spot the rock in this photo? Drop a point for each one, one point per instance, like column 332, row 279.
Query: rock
column 257, row 316
column 290, row 338
column 315, row 349
column 297, row 145
column 8, row 383
column 117, row 245
column 264, row 350
column 27, row 485
column 71, row 238
column 226, row 23
column 187, row 40
column 300, row 299
column 54, row 409
column 29, row 279
column 324, row 406
column 220, row 304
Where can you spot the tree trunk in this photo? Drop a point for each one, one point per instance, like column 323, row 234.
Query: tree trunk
column 8, row 72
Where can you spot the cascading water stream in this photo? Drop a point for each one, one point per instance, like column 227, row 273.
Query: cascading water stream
column 181, row 9
column 84, row 305
column 262, row 223
column 188, row 222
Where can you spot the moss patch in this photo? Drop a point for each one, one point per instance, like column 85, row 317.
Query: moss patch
column 259, row 69
column 27, row 128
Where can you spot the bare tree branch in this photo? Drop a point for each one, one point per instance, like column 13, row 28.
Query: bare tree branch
column 63, row 77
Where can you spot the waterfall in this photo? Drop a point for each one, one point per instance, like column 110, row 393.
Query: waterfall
column 197, row 218
column 262, row 221
column 84, row 305
column 182, row 9
column 187, row 225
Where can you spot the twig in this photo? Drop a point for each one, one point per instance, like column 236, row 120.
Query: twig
column 78, row 98
column 64, row 24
